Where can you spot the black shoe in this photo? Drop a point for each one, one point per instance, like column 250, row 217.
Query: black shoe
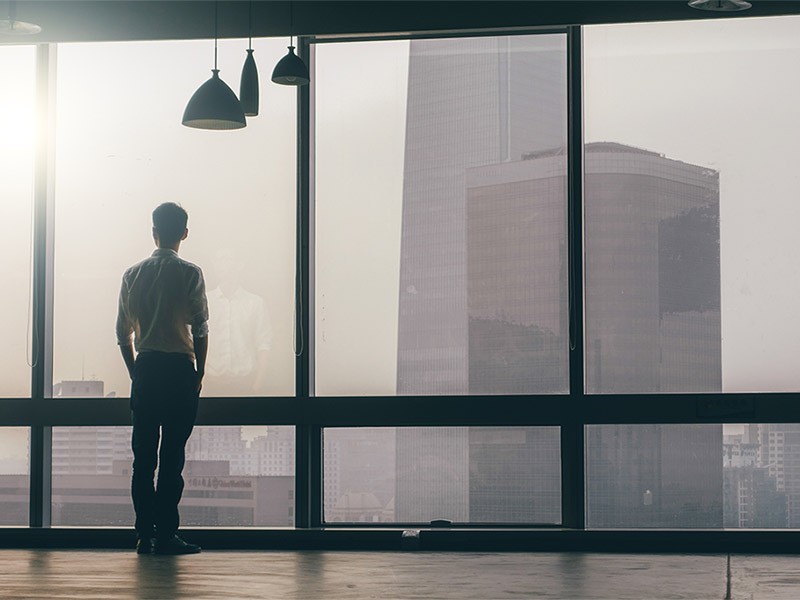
column 175, row 545
column 144, row 545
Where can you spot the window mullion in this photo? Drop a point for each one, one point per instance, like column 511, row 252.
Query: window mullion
column 42, row 296
column 572, row 436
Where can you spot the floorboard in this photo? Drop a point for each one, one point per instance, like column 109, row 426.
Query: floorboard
column 114, row 575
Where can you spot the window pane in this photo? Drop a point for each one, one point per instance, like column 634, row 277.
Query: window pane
column 234, row 477
column 122, row 151
column 464, row 474
column 654, row 476
column 691, row 206
column 14, row 475
column 454, row 280
column 672, row 476
column 17, row 144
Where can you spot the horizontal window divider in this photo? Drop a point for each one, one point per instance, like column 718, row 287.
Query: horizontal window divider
column 15, row 411
column 691, row 408
column 437, row 411
column 428, row 411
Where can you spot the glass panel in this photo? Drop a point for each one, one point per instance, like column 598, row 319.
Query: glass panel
column 671, row 476
column 690, row 206
column 464, row 474
column 119, row 128
column 454, row 280
column 17, row 145
column 234, row 477
column 654, row 476
column 14, row 475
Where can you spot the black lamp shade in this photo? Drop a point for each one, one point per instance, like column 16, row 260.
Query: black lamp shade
column 248, row 87
column 214, row 106
column 291, row 70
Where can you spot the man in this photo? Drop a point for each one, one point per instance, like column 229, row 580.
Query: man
column 163, row 306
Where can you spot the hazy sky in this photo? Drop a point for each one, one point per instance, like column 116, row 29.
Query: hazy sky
column 711, row 93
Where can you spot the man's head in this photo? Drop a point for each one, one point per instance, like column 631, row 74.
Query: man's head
column 169, row 225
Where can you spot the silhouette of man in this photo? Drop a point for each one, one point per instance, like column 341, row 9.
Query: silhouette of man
column 163, row 308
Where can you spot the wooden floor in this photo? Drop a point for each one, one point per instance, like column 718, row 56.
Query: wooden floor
column 114, row 574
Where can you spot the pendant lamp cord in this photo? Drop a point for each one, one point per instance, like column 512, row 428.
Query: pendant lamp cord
column 216, row 24
column 250, row 26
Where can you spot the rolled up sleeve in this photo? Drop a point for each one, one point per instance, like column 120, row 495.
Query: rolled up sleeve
column 124, row 327
column 198, row 306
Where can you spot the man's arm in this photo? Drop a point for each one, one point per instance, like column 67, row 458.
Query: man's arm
column 198, row 319
column 125, row 330
column 200, row 353
column 128, row 357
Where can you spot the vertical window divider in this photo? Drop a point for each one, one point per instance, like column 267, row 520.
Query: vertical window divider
column 42, row 296
column 308, row 470
column 573, row 480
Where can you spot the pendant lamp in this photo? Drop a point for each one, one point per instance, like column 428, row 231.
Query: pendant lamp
column 10, row 25
column 214, row 105
column 248, row 86
column 291, row 70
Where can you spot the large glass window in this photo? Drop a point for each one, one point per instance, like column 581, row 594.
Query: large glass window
column 691, row 206
column 440, row 216
column 462, row 474
column 234, row 477
column 121, row 151
column 17, row 144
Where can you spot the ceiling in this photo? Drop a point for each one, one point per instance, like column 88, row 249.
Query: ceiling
column 107, row 20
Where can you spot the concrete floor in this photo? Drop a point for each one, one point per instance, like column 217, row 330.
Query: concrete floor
column 116, row 574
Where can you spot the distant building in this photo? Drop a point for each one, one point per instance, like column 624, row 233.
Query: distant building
column 464, row 324
column 751, row 495
column 359, row 474
column 780, row 455
column 87, row 450
column 229, row 482
column 652, row 322
column 469, row 104
column 211, row 498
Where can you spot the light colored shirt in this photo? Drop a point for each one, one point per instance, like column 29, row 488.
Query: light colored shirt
column 242, row 329
column 162, row 300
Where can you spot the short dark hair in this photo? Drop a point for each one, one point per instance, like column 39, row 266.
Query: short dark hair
column 169, row 220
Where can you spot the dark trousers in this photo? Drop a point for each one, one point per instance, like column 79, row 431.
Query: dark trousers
column 163, row 404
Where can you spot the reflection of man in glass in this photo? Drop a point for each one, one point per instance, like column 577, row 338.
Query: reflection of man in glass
column 237, row 364
column 162, row 305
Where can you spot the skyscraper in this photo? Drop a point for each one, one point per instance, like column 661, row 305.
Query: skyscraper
column 471, row 103
column 652, row 323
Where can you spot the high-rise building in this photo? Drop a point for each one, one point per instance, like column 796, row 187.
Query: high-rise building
column 751, row 495
column 653, row 317
column 652, row 322
column 472, row 103
column 780, row 455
